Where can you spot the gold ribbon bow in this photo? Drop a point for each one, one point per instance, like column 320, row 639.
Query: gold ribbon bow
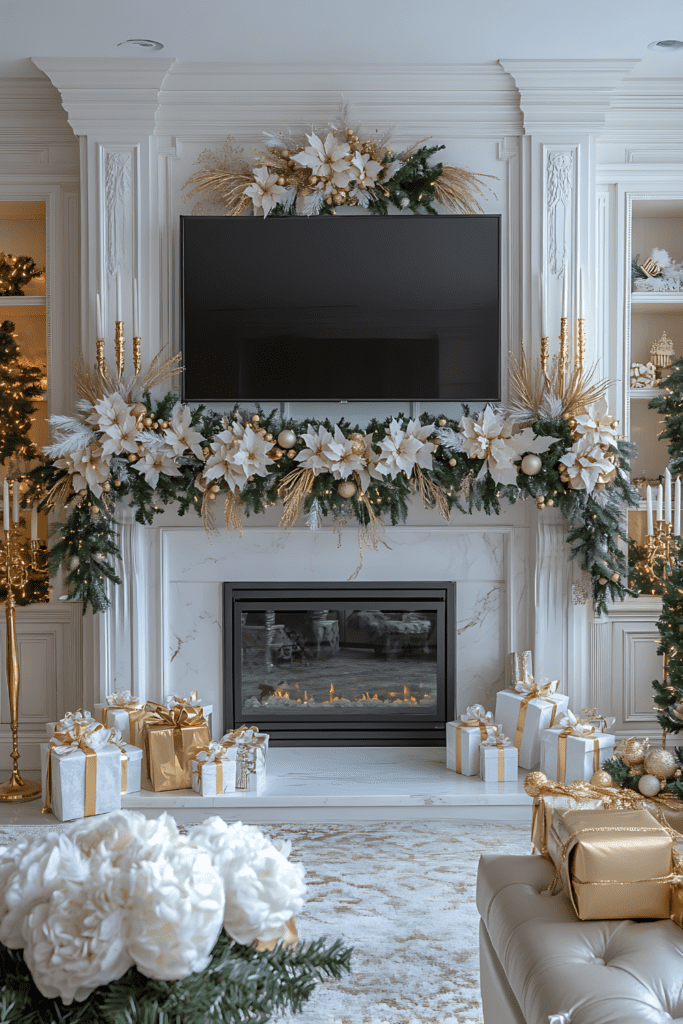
column 192, row 699
column 66, row 741
column 125, row 701
column 213, row 754
column 533, row 691
column 571, row 726
column 501, row 742
column 473, row 717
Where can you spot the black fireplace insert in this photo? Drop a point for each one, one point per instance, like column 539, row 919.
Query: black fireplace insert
column 336, row 664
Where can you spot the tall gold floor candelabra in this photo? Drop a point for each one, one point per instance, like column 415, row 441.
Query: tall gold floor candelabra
column 17, row 557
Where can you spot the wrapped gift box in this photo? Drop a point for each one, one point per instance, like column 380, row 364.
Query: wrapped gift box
column 524, row 713
column 251, row 767
column 521, row 669
column 498, row 760
column 81, row 774
column 613, row 864
column 193, row 701
column 131, row 763
column 172, row 736
column 566, row 757
column 463, row 738
column 543, row 815
column 124, row 712
column 214, row 770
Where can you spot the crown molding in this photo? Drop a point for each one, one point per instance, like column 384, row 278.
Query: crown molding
column 557, row 96
column 117, row 96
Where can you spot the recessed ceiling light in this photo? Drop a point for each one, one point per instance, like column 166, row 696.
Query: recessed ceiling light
column 151, row 44
column 666, row 45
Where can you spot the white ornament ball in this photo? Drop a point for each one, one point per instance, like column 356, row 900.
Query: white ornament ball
column 74, row 563
column 405, row 202
column 346, row 488
column 648, row 785
column 286, row 438
column 531, row 465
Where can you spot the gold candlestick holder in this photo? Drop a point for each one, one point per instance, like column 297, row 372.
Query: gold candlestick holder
column 581, row 343
column 137, row 354
column 119, row 347
column 564, row 352
column 100, row 355
column 660, row 547
column 544, row 357
column 17, row 557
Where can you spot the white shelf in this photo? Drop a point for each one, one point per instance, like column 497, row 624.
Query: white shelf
column 646, row 393
column 22, row 300
column 657, row 302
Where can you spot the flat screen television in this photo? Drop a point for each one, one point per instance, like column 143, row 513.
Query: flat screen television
column 344, row 308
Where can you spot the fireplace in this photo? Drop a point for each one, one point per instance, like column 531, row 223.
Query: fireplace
column 342, row 663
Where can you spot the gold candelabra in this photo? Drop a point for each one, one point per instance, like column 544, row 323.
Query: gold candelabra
column 660, row 546
column 17, row 557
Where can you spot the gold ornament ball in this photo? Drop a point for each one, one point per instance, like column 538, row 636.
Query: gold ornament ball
column 250, row 479
column 117, row 483
column 132, row 458
column 354, row 138
column 535, row 783
column 139, row 410
column 632, row 751
column 358, row 447
column 211, row 496
column 280, row 180
column 147, row 421
column 276, row 453
column 269, row 437
column 649, row 785
column 452, row 462
column 550, row 502
column 339, row 199
column 603, row 779
column 356, row 436
column 286, row 438
column 291, row 453
column 23, row 487
column 329, row 201
column 214, row 488
column 615, row 577
column 565, row 416
column 284, row 153
column 390, row 151
column 602, row 580
column 106, row 486
column 206, row 452
column 346, row 488
column 661, row 764
column 256, row 418
column 313, row 180
column 442, row 422
column 531, row 465
column 572, row 422
column 349, row 131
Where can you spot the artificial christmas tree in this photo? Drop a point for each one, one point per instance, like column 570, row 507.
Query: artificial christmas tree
column 20, row 383
column 16, row 272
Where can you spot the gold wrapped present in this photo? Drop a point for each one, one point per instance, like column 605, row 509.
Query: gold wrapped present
column 613, row 864
column 172, row 737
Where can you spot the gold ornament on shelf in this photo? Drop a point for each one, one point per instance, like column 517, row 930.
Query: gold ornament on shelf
column 661, row 354
column 661, row 764
column 17, row 556
column 643, row 375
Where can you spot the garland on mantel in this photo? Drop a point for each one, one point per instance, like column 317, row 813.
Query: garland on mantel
column 122, row 446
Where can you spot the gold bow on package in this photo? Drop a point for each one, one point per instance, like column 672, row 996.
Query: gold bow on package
column 613, row 864
column 81, row 770
column 498, row 758
column 172, row 736
column 193, row 701
column 573, row 749
column 214, row 768
column 463, row 738
column 124, row 712
column 525, row 711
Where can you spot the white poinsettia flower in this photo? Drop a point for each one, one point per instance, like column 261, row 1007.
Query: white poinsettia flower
column 390, row 169
column 265, row 193
column 181, row 434
column 369, row 464
column 252, row 453
column 109, row 412
column 176, row 907
column 490, row 437
column 403, row 449
column 263, row 891
column 597, row 424
column 328, row 159
column 585, row 462
column 155, row 462
column 343, row 461
column 314, row 455
column 364, row 170
column 77, row 940
column 221, row 464
column 89, row 467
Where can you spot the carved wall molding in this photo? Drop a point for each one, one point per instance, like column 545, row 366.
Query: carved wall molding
column 559, row 187
column 117, row 192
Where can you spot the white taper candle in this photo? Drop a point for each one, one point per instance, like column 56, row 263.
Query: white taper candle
column 565, row 290
column 660, row 503
column 667, row 495
column 582, row 298
column 136, row 309
column 677, row 508
column 15, row 501
column 650, row 510
column 119, row 314
column 5, row 504
column 544, row 309
column 100, row 329
column 34, row 521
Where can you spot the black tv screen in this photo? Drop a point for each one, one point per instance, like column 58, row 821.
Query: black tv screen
column 339, row 308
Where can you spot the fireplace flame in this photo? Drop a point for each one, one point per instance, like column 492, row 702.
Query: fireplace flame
column 406, row 693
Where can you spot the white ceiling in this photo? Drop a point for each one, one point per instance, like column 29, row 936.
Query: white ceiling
column 353, row 31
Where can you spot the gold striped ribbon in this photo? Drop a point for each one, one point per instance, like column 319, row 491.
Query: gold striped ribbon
column 219, row 773
column 538, row 693
column 471, row 723
column 90, row 777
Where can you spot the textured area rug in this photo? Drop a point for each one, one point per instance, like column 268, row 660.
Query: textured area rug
column 402, row 894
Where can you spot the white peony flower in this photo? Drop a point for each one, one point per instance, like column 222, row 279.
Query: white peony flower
column 89, row 467
column 490, row 437
column 181, row 434
column 262, row 889
column 343, row 461
column 402, row 449
column 252, row 453
column 125, row 836
column 77, row 940
column 176, row 908
column 328, row 159
column 314, row 455
column 585, row 463
column 156, row 462
column 265, row 193
column 597, row 424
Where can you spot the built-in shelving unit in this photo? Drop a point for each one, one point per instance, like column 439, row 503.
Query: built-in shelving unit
column 23, row 300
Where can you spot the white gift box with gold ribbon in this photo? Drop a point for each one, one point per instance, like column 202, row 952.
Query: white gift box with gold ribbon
column 214, row 769
column 573, row 750
column 131, row 763
column 525, row 711
column 498, row 758
column 124, row 712
column 81, row 771
column 463, row 738
column 252, row 753
column 193, row 701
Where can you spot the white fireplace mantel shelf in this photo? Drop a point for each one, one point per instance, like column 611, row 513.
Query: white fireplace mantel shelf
column 326, row 784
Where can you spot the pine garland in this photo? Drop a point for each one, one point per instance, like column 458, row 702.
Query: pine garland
column 240, row 986
column 87, row 541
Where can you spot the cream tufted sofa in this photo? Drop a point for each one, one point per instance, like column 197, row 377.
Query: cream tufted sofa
column 541, row 965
